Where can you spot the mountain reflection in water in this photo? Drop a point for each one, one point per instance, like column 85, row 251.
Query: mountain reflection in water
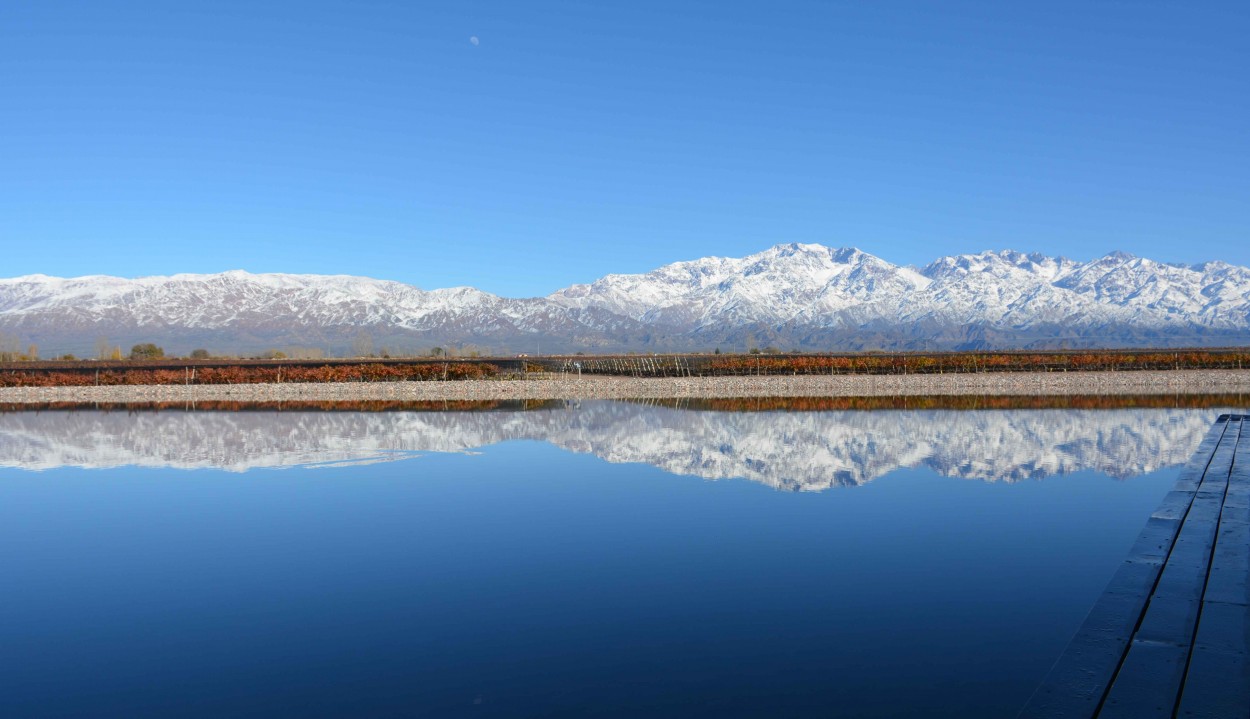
column 811, row 450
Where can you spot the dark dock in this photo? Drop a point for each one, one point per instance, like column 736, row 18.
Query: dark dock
column 1170, row 635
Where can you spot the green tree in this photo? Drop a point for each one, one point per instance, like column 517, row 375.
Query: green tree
column 146, row 351
column 199, row 354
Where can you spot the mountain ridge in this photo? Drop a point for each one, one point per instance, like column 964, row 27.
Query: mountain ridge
column 793, row 295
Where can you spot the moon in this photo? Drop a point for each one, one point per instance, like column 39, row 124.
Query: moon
column 474, row 41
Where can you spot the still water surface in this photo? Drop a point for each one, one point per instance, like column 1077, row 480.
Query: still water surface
column 606, row 559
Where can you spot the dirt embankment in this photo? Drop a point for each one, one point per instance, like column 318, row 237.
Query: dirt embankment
column 557, row 386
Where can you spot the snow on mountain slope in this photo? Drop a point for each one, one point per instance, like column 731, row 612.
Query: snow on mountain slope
column 771, row 286
column 802, row 295
column 812, row 285
column 210, row 301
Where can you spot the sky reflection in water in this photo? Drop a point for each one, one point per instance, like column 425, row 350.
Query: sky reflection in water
column 508, row 570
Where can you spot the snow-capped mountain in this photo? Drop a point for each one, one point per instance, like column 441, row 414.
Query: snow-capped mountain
column 785, row 450
column 795, row 295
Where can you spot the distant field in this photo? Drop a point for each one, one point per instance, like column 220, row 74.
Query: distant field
column 236, row 371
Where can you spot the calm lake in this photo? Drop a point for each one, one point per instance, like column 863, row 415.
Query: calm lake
column 593, row 559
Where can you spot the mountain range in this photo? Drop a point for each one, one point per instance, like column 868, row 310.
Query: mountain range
column 792, row 296
column 809, row 451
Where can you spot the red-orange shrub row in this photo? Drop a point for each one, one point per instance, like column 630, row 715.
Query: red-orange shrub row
column 970, row 362
column 371, row 372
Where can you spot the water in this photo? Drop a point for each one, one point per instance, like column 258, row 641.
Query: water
column 612, row 559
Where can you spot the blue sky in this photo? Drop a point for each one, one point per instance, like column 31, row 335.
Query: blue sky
column 573, row 139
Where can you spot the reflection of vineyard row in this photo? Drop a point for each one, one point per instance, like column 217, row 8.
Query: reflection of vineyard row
column 910, row 363
column 960, row 402
column 243, row 374
column 739, row 404
column 380, row 405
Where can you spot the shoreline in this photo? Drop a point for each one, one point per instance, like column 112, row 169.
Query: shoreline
column 605, row 387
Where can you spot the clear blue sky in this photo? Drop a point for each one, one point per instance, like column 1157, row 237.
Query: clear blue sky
column 573, row 139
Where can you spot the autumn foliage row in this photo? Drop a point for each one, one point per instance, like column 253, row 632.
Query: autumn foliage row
column 643, row 366
column 972, row 362
column 370, row 372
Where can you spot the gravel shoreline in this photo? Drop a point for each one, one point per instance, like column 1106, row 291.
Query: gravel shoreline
column 599, row 387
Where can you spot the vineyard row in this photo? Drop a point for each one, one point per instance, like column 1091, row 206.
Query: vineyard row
column 367, row 372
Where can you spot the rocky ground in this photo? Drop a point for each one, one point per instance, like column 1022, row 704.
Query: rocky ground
column 568, row 387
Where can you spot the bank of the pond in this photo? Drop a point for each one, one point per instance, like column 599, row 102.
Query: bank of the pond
column 570, row 387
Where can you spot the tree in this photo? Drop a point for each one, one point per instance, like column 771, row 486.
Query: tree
column 305, row 352
column 362, row 345
column 146, row 351
column 436, row 352
column 199, row 354
column 10, row 348
column 103, row 348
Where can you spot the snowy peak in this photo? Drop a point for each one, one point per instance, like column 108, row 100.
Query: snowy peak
column 775, row 285
column 1006, row 265
column 806, row 296
column 217, row 300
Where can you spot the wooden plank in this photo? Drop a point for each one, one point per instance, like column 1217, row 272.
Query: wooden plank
column 1147, row 682
column 1229, row 580
column 1149, row 679
column 1174, row 505
column 1077, row 684
column 1217, row 685
column 1217, row 680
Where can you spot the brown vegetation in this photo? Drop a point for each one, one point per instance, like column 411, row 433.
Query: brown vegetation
column 245, row 374
column 276, row 370
column 909, row 363
column 976, row 362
